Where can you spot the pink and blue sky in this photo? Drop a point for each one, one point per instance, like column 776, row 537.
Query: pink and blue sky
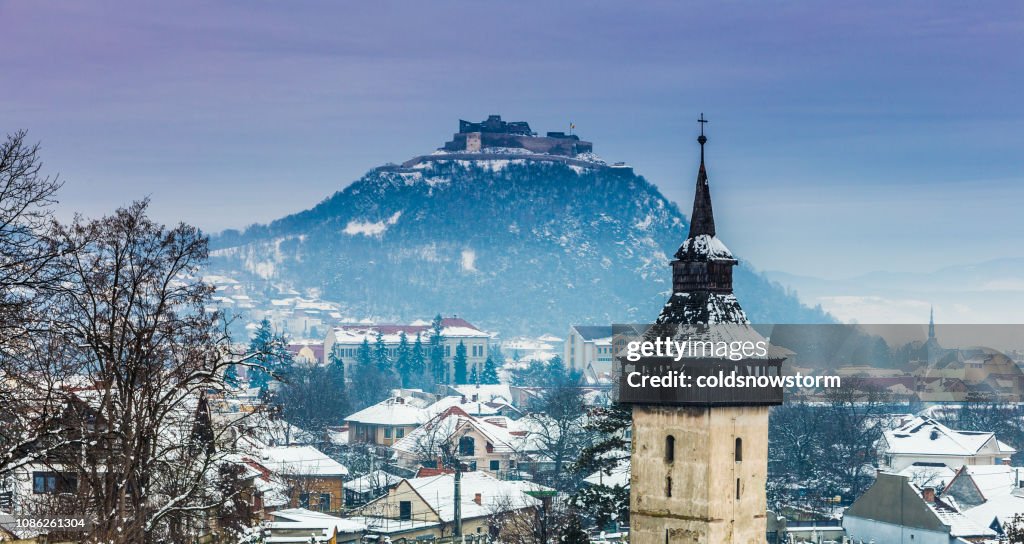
column 845, row 137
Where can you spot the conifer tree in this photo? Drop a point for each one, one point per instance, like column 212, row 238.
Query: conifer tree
column 403, row 360
column 364, row 355
column 380, row 355
column 459, row 362
column 231, row 376
column 336, row 373
column 474, row 376
column 417, row 362
column 438, row 368
column 490, row 372
column 270, row 353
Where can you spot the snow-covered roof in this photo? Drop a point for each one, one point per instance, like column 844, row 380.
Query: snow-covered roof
column 486, row 392
column 375, row 480
column 928, row 475
column 925, row 436
column 293, row 519
column 618, row 476
column 400, row 410
column 495, row 495
column 706, row 246
column 300, row 461
column 448, row 424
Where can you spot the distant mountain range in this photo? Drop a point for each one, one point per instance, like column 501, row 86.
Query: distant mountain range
column 985, row 292
column 515, row 243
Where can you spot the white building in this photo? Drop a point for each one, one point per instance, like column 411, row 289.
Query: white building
column 923, row 442
column 589, row 345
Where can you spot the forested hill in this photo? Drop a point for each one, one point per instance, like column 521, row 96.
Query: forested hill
column 513, row 245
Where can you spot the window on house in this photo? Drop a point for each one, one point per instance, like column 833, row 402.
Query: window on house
column 670, row 449
column 399, row 432
column 495, row 465
column 304, row 500
column 668, row 486
column 387, row 432
column 405, row 510
column 54, row 482
column 739, row 449
column 467, row 446
column 325, row 502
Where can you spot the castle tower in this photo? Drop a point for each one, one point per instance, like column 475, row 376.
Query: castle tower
column 699, row 469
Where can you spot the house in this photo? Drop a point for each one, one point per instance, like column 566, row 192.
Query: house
column 895, row 510
column 924, row 440
column 312, row 479
column 589, row 345
column 368, row 487
column 425, row 507
column 387, row 421
column 991, row 495
column 302, row 526
column 486, row 444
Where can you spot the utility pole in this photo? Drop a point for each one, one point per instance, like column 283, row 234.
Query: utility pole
column 458, row 498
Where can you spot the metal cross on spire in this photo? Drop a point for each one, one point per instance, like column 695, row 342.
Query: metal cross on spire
column 702, row 139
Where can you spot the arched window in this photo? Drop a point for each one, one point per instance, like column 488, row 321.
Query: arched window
column 739, row 449
column 670, row 449
column 467, row 446
column 668, row 486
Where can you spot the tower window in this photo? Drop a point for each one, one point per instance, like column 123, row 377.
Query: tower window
column 670, row 449
column 737, row 489
column 739, row 450
column 668, row 486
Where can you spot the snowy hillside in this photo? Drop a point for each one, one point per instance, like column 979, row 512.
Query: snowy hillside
column 514, row 245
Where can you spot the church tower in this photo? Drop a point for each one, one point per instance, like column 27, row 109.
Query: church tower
column 699, row 470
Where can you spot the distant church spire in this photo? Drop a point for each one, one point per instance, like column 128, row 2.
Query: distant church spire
column 931, row 324
column 702, row 220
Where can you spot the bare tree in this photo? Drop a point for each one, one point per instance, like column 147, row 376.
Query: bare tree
column 135, row 310
column 32, row 364
column 26, row 254
column 559, row 433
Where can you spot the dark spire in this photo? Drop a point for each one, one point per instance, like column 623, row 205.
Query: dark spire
column 702, row 220
column 931, row 323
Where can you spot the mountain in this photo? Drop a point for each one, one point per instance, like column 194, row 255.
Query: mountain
column 510, row 242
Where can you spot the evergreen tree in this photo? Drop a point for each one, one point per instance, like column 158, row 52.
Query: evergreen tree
column 417, row 362
column 336, row 375
column 231, row 376
column 270, row 352
column 403, row 360
column 438, row 368
column 573, row 532
column 364, row 355
column 380, row 355
column 474, row 377
column 460, row 363
column 490, row 373
column 369, row 385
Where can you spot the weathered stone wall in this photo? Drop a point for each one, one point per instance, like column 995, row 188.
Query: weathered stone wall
column 703, row 507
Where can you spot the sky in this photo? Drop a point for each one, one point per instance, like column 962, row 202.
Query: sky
column 844, row 138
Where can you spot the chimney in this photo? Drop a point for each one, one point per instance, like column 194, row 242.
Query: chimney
column 928, row 494
column 1006, row 461
column 478, row 498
